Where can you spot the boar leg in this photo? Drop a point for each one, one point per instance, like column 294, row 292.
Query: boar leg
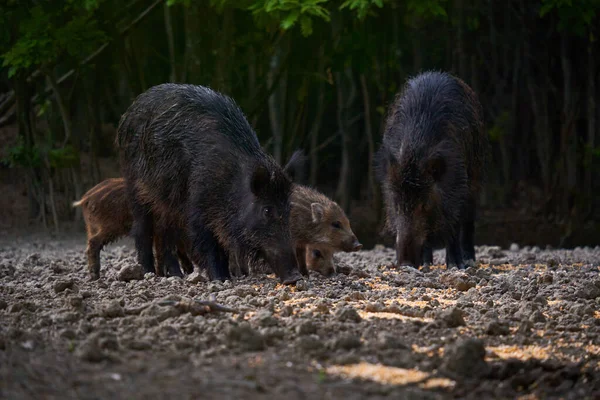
column 159, row 253
column 143, row 227
column 427, row 254
column 208, row 252
column 186, row 263
column 171, row 264
column 454, row 252
column 301, row 257
column 95, row 245
column 468, row 232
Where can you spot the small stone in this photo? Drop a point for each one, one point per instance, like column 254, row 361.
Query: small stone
column 347, row 314
column 309, row 343
column 374, row 307
column 68, row 334
column 90, row 350
column 3, row 304
column 287, row 311
column 537, row 316
column 265, row 318
column 386, row 340
column 246, row 337
column 130, row 272
column 76, row 301
column 322, row 307
column 302, row 285
column 514, row 247
column 347, row 342
column 458, row 280
column 113, row 310
column 453, row 317
column 552, row 262
column 497, row 328
column 465, row 359
column 285, row 294
column 546, row 278
column 588, row 290
column 306, row 328
column 139, row 345
column 525, row 327
column 62, row 285
column 195, row 277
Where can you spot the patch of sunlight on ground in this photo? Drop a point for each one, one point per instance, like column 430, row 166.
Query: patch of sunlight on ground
column 386, row 375
column 560, row 350
column 389, row 315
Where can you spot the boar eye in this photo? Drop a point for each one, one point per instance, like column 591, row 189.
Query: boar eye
column 337, row 225
column 267, row 212
column 317, row 254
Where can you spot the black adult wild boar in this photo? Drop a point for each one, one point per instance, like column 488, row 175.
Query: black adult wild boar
column 191, row 158
column 430, row 165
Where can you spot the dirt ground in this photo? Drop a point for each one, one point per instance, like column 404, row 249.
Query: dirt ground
column 524, row 324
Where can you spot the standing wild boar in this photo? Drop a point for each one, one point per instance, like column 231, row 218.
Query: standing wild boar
column 192, row 160
column 430, row 165
column 107, row 218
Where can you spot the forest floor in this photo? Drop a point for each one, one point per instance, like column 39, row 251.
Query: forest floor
column 525, row 323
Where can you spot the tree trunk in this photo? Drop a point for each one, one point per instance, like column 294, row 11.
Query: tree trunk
column 223, row 64
column 569, row 138
column 343, row 189
column 369, row 133
column 62, row 106
column 591, row 125
column 274, row 106
column 170, row 42
column 316, row 126
column 461, row 43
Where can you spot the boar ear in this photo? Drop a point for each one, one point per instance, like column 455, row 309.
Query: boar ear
column 317, row 212
column 260, row 179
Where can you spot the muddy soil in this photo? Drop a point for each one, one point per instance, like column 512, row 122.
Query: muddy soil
column 524, row 323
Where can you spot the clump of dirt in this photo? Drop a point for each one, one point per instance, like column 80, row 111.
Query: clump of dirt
column 525, row 322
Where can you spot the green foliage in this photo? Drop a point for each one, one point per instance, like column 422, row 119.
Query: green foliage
column 574, row 15
column 64, row 157
column 288, row 13
column 48, row 34
column 362, row 7
column 427, row 8
column 21, row 155
column 498, row 130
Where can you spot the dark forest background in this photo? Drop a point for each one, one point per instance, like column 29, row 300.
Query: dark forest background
column 317, row 75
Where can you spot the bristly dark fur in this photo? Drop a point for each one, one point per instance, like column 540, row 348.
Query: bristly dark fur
column 191, row 157
column 432, row 157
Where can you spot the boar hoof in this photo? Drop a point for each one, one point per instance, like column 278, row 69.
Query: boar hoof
column 292, row 279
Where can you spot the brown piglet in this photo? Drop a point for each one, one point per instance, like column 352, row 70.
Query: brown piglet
column 108, row 217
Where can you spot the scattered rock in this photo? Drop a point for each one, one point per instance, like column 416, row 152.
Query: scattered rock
column 306, row 328
column 458, row 280
column 347, row 314
column 386, row 340
column 265, row 318
column 3, row 304
column 62, row 285
column 453, row 317
column 346, row 341
column 130, row 272
column 113, row 310
column 246, row 337
column 537, row 316
column 588, row 290
column 309, row 343
column 497, row 328
column 465, row 359
column 525, row 327
column 302, row 285
column 195, row 277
